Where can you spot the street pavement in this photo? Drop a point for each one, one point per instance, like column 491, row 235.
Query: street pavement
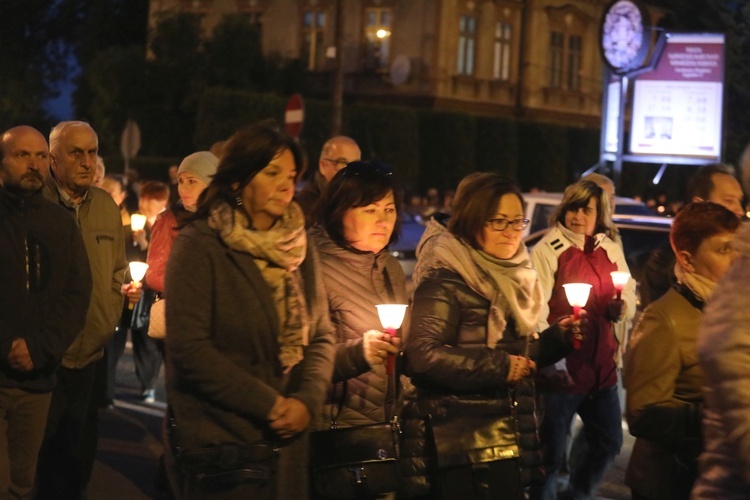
column 130, row 445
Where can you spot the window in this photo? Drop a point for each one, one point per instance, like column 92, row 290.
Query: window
column 575, row 44
column 566, row 55
column 556, row 49
column 378, row 37
column 501, row 59
column 313, row 24
column 467, row 35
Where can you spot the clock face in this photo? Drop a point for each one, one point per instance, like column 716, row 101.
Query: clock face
column 622, row 35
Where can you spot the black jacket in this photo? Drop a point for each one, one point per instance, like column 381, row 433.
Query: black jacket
column 45, row 285
column 447, row 358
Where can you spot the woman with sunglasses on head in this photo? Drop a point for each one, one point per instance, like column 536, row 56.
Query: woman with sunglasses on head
column 356, row 220
column 249, row 341
column 578, row 249
column 473, row 349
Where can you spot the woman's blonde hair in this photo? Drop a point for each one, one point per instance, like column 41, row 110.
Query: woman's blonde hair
column 577, row 196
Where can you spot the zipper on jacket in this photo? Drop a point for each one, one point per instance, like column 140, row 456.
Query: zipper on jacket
column 26, row 257
column 37, row 271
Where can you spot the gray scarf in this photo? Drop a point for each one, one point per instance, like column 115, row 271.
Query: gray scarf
column 511, row 285
column 278, row 253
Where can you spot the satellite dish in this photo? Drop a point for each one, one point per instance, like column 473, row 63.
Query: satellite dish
column 400, row 69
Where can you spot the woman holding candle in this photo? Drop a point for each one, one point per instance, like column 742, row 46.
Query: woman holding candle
column 472, row 350
column 578, row 250
column 249, row 342
column 357, row 219
column 152, row 201
column 662, row 374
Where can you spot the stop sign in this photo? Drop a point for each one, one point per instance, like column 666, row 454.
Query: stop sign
column 293, row 115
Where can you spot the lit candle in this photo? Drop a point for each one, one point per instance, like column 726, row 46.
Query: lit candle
column 578, row 295
column 137, row 272
column 620, row 279
column 391, row 317
column 137, row 222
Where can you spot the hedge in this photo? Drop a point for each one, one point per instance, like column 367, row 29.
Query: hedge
column 427, row 148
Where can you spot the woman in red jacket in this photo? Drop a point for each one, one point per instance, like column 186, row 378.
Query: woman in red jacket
column 578, row 250
column 193, row 177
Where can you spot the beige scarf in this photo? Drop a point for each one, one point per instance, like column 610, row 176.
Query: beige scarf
column 511, row 285
column 701, row 286
column 278, row 253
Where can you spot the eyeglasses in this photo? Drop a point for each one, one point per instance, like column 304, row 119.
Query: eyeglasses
column 365, row 168
column 339, row 162
column 502, row 224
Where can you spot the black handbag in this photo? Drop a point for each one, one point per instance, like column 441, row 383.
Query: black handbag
column 224, row 465
column 355, row 462
column 471, row 430
column 471, row 438
column 228, row 465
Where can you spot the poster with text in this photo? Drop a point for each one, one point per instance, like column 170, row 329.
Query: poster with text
column 677, row 108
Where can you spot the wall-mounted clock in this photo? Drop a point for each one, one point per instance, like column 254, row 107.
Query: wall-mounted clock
column 624, row 35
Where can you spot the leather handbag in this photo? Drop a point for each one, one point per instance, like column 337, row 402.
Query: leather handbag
column 355, row 462
column 228, row 465
column 474, row 431
column 469, row 439
column 224, row 465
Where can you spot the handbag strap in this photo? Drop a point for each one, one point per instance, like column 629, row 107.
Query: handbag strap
column 338, row 403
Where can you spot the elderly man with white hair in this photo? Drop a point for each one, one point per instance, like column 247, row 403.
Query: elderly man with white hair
column 68, row 451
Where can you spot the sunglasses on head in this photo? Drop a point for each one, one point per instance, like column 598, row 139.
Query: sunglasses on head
column 365, row 168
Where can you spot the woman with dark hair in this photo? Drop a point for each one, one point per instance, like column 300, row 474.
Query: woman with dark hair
column 662, row 374
column 357, row 220
column 249, row 341
column 472, row 351
column 578, row 250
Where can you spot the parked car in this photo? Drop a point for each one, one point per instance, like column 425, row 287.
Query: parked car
column 539, row 206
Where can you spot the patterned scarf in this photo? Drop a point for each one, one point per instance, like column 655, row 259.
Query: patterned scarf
column 278, row 253
column 511, row 285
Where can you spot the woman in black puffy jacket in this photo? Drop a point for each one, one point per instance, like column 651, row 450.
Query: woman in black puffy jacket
column 469, row 423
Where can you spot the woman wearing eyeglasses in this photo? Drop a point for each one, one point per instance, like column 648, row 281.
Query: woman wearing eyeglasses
column 473, row 349
column 357, row 219
column 578, row 249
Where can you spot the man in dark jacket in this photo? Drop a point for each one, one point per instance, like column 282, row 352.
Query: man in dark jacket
column 45, row 283
column 69, row 448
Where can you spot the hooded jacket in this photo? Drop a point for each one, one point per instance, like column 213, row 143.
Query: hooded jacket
column 45, row 284
column 100, row 223
column 355, row 282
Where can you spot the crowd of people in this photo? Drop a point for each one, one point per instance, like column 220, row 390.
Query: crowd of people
column 266, row 296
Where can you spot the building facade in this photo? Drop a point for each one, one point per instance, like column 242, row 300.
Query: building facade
column 532, row 59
